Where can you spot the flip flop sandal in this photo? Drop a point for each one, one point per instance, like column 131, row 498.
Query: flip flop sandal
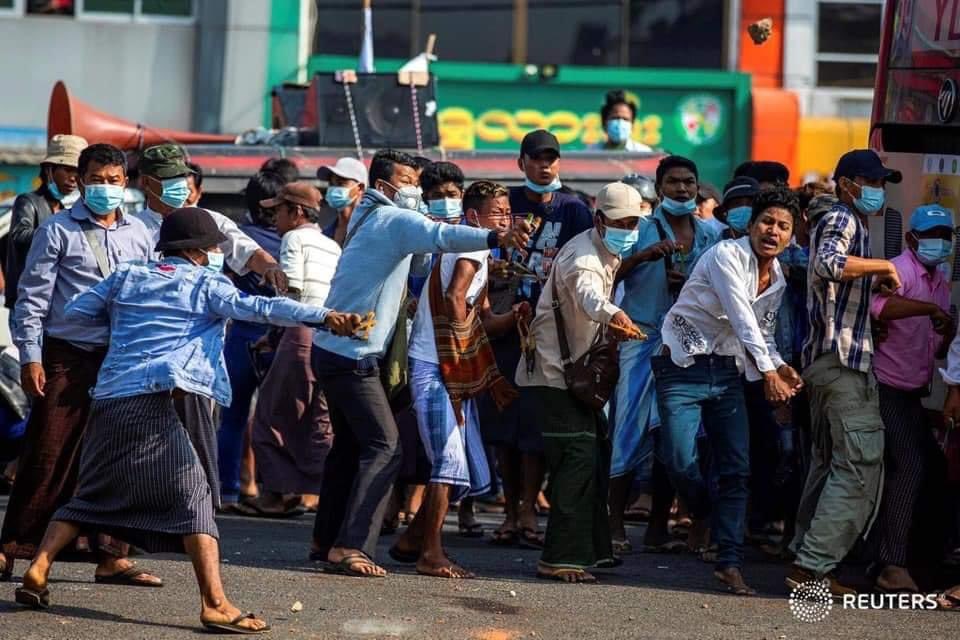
column 403, row 557
column 127, row 578
column 234, row 625
column 504, row 538
column 531, row 539
column 947, row 602
column 33, row 599
column 609, row 563
column 317, row 556
column 259, row 512
column 474, row 530
column 671, row 546
column 6, row 570
column 558, row 576
column 737, row 591
column 346, row 566
column 621, row 547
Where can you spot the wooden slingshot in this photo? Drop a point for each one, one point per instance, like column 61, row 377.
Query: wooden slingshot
column 362, row 331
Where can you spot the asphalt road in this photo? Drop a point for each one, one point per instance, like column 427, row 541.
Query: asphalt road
column 265, row 570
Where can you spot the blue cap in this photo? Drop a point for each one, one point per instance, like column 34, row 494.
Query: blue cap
column 865, row 163
column 930, row 216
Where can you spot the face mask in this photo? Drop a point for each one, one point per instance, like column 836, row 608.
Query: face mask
column 408, row 197
column 871, row 199
column 54, row 190
column 619, row 130
column 446, row 208
column 933, row 251
column 738, row 218
column 677, row 208
column 620, row 241
column 338, row 197
column 175, row 192
column 543, row 188
column 103, row 198
column 214, row 261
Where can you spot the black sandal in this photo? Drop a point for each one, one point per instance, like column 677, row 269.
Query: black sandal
column 33, row 599
column 234, row 625
column 531, row 538
column 346, row 566
column 127, row 578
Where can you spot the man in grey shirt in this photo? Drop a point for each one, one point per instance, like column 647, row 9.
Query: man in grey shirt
column 60, row 358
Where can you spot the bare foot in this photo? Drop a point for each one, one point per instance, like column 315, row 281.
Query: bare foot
column 733, row 579
column 226, row 613
column 310, row 501
column 35, row 578
column 356, row 564
column 442, row 567
column 112, row 566
column 570, row 576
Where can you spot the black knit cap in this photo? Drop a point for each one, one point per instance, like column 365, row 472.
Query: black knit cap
column 189, row 228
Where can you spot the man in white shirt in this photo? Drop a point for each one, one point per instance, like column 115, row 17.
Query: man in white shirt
column 723, row 323
column 291, row 426
column 163, row 179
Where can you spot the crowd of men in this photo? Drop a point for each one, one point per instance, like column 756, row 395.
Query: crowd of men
column 420, row 352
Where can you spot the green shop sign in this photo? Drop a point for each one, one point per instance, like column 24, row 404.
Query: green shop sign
column 700, row 114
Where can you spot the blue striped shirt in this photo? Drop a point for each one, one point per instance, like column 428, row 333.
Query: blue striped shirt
column 839, row 311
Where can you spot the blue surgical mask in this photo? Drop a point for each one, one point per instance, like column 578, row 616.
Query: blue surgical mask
column 738, row 218
column 543, row 188
column 934, row 251
column 678, row 208
column 619, row 130
column 103, row 198
column 338, row 197
column 871, row 199
column 620, row 241
column 54, row 191
column 448, row 208
column 214, row 261
column 175, row 192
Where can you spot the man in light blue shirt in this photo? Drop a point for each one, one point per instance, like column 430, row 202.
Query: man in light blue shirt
column 383, row 234
column 671, row 242
column 71, row 252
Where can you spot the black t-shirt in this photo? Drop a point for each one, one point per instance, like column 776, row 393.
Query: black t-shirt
column 560, row 219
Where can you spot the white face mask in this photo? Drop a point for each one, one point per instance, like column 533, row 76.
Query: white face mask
column 407, row 196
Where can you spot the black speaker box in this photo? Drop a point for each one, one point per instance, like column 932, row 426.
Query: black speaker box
column 383, row 108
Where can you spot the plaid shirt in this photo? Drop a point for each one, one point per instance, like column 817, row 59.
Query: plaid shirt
column 839, row 311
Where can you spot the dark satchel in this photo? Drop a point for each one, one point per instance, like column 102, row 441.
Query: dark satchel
column 592, row 378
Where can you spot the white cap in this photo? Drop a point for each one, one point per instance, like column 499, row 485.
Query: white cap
column 348, row 168
column 618, row 200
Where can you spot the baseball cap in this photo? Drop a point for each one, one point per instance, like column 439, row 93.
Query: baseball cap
column 930, row 216
column 742, row 187
column 64, row 149
column 348, row 168
column 539, row 141
column 866, row 163
column 163, row 161
column 618, row 200
column 189, row 228
column 302, row 193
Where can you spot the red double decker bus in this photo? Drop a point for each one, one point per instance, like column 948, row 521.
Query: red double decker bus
column 915, row 125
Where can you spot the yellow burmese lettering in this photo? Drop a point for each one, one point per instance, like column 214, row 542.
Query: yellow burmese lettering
column 494, row 126
column 456, row 127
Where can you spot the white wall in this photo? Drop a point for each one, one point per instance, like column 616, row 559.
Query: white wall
column 800, row 68
column 245, row 65
column 141, row 72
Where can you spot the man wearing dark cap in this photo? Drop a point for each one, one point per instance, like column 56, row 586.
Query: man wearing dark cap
column 558, row 217
column 737, row 206
column 767, row 172
column 846, row 427
column 140, row 474
column 163, row 177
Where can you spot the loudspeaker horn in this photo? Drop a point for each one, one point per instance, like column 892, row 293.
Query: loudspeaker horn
column 70, row 115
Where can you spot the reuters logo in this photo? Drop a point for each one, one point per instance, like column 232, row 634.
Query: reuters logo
column 811, row 601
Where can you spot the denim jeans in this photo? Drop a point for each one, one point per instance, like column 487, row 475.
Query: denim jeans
column 709, row 391
column 236, row 417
